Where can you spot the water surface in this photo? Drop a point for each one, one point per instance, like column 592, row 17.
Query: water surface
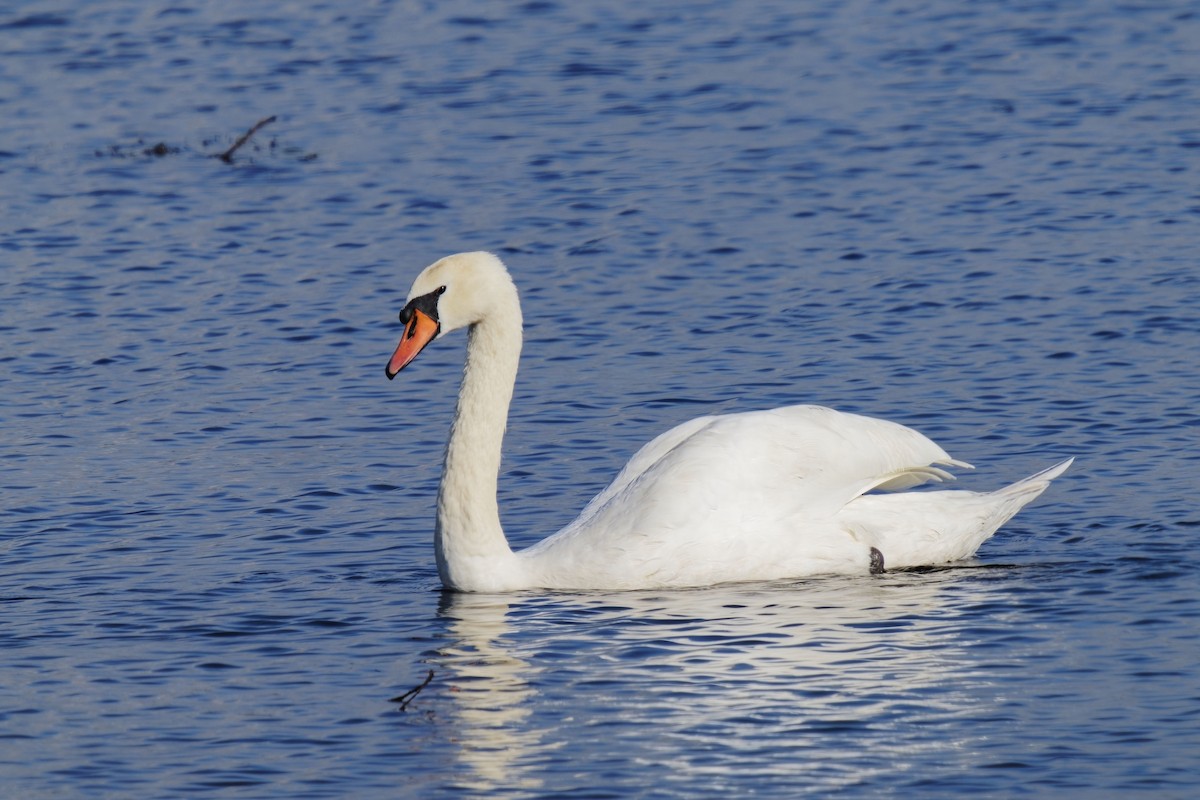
column 215, row 537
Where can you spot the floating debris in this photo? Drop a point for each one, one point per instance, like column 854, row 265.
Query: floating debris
column 143, row 150
column 408, row 696
column 227, row 156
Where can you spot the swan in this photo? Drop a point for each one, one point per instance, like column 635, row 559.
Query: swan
column 753, row 496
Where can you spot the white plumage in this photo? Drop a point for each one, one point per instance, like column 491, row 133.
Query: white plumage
column 760, row 495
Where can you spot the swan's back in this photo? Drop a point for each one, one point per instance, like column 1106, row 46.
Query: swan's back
column 737, row 497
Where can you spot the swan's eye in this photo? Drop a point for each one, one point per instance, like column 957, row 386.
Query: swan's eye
column 441, row 290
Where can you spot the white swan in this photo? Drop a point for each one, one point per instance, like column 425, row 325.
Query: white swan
column 759, row 495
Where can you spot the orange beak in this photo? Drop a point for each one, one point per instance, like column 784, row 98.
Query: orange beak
column 419, row 332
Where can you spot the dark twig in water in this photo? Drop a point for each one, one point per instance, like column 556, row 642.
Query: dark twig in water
column 408, row 696
column 227, row 156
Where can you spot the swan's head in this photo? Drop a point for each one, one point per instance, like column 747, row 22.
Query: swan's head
column 455, row 292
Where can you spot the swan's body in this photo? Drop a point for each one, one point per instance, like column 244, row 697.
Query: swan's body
column 760, row 495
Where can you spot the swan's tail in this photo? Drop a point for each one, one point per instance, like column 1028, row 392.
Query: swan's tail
column 922, row 528
column 1027, row 489
column 1003, row 504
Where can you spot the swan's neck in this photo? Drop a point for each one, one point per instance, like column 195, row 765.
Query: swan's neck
column 472, row 553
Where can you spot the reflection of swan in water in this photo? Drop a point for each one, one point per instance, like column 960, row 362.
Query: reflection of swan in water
column 491, row 693
column 833, row 679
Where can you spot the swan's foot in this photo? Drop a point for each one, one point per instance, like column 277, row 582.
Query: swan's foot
column 877, row 562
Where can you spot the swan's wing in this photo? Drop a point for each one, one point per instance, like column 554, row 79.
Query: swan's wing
column 764, row 464
column 823, row 459
column 646, row 457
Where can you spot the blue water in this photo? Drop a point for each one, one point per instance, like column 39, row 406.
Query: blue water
column 216, row 568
